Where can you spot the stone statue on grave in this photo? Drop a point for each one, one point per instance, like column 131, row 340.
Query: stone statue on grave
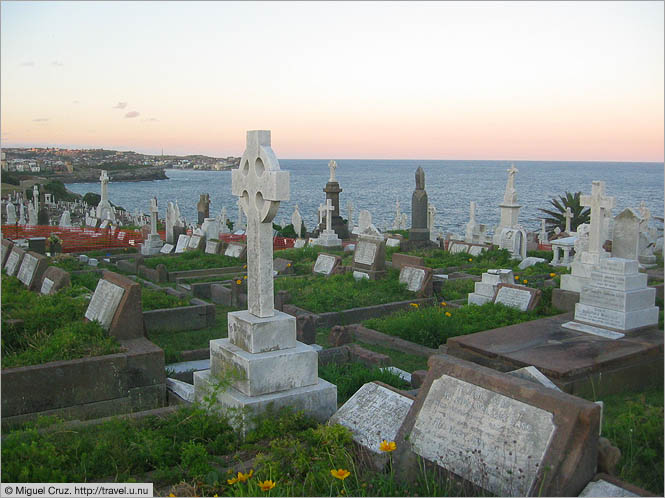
column 333, row 166
column 510, row 196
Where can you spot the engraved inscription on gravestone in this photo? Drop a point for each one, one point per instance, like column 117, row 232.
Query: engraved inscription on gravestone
column 166, row 249
column 181, row 245
column 47, row 285
column 234, row 250
column 515, row 298
column 104, row 303
column 12, row 263
column 212, row 247
column 28, row 267
column 412, row 277
column 324, row 264
column 491, row 440
column 365, row 253
column 373, row 413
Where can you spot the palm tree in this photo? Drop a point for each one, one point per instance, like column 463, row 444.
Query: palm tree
column 557, row 217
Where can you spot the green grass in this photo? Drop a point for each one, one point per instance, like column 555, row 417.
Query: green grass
column 458, row 288
column 192, row 447
column 193, row 260
column 53, row 327
column 405, row 361
column 340, row 292
column 349, row 377
column 157, row 300
column 173, row 343
column 303, row 259
column 634, row 423
column 432, row 326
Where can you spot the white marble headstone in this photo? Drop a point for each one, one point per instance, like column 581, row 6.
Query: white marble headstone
column 413, row 277
column 104, row 303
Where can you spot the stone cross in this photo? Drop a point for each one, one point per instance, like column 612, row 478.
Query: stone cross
column 329, row 210
column 296, row 221
column 153, row 216
column 599, row 204
column 349, row 211
column 510, row 196
column 569, row 216
column 333, row 166
column 260, row 185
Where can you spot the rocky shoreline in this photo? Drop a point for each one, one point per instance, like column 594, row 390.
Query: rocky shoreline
column 92, row 175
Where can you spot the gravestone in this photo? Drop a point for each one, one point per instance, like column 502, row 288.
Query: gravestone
column 419, row 231
column 418, row 279
column 282, row 266
column 400, row 260
column 485, row 290
column 272, row 367
column 457, row 246
column 116, row 305
column 104, row 210
column 93, row 262
column 617, row 300
column 603, row 488
column 153, row 242
column 369, row 256
column 54, row 279
column 335, row 224
column 65, row 219
column 474, row 232
column 7, row 246
column 300, row 243
column 505, row 435
column 183, row 242
column 236, row 250
column 517, row 296
column 328, row 237
column 393, row 242
column 510, row 209
column 167, row 249
column 373, row 414
column 211, row 228
column 11, row 214
column 296, row 221
column 14, row 260
column 195, row 243
column 626, row 235
column 104, row 224
column 203, row 208
column 32, row 268
column 213, row 246
column 326, row 264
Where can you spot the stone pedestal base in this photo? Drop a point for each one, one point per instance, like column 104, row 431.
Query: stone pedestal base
column 152, row 245
column 318, row 400
column 419, row 234
column 328, row 239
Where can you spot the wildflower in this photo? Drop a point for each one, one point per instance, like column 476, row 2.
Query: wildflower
column 525, row 281
column 171, row 494
column 232, row 481
column 552, row 274
column 244, row 267
column 238, row 281
column 340, row 473
column 245, row 277
column 388, row 446
column 288, row 264
column 243, row 477
column 266, row 485
column 448, row 313
column 443, row 303
column 470, row 259
column 517, row 277
column 415, row 305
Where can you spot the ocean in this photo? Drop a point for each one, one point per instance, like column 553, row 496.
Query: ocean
column 376, row 185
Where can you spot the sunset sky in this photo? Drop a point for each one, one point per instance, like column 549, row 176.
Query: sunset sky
column 471, row 80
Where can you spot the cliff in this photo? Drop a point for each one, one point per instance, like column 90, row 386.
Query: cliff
column 123, row 175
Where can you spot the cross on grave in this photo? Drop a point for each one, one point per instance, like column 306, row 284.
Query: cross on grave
column 260, row 185
column 599, row 204
column 329, row 209
column 153, row 215
column 568, row 215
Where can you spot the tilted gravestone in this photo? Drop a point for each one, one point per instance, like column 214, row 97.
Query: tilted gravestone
column 502, row 434
column 7, row 246
column 418, row 279
column 183, row 242
column 326, row 264
column 282, row 266
column 116, row 305
column 195, row 243
column 54, row 279
column 517, row 296
column 14, row 261
column 32, row 268
column 167, row 248
column 213, row 246
column 236, row 250
column 373, row 414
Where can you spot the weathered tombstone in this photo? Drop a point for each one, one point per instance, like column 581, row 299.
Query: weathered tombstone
column 418, row 279
column 14, row 259
column 93, row 262
column 203, row 208
column 236, row 250
column 419, row 230
column 626, row 235
column 517, row 296
column 183, row 242
column 505, row 435
column 153, row 242
column 485, row 290
column 326, row 264
column 273, row 367
column 616, row 300
column 167, row 249
column 374, row 414
column 54, row 279
column 369, row 255
column 300, row 243
column 104, row 224
column 393, row 242
column 65, row 219
column 195, row 242
column 211, row 228
column 282, row 266
column 400, row 260
column 213, row 246
column 603, row 488
column 32, row 268
column 7, row 246
column 170, row 223
column 11, row 214
column 116, row 305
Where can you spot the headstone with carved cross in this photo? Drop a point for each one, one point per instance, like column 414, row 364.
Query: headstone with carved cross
column 328, row 238
column 153, row 244
column 261, row 356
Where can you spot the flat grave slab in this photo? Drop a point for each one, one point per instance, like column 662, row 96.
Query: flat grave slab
column 577, row 362
column 167, row 249
column 517, row 296
column 502, row 434
column 195, row 243
column 326, row 264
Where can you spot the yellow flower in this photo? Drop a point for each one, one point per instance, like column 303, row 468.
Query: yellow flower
column 288, row 264
column 266, row 485
column 517, row 277
column 243, row 477
column 245, row 277
column 238, row 281
column 171, row 494
column 443, row 303
column 525, row 281
column 232, row 481
column 448, row 313
column 470, row 259
column 340, row 473
column 415, row 305
column 388, row 446
column 552, row 274
column 244, row 266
